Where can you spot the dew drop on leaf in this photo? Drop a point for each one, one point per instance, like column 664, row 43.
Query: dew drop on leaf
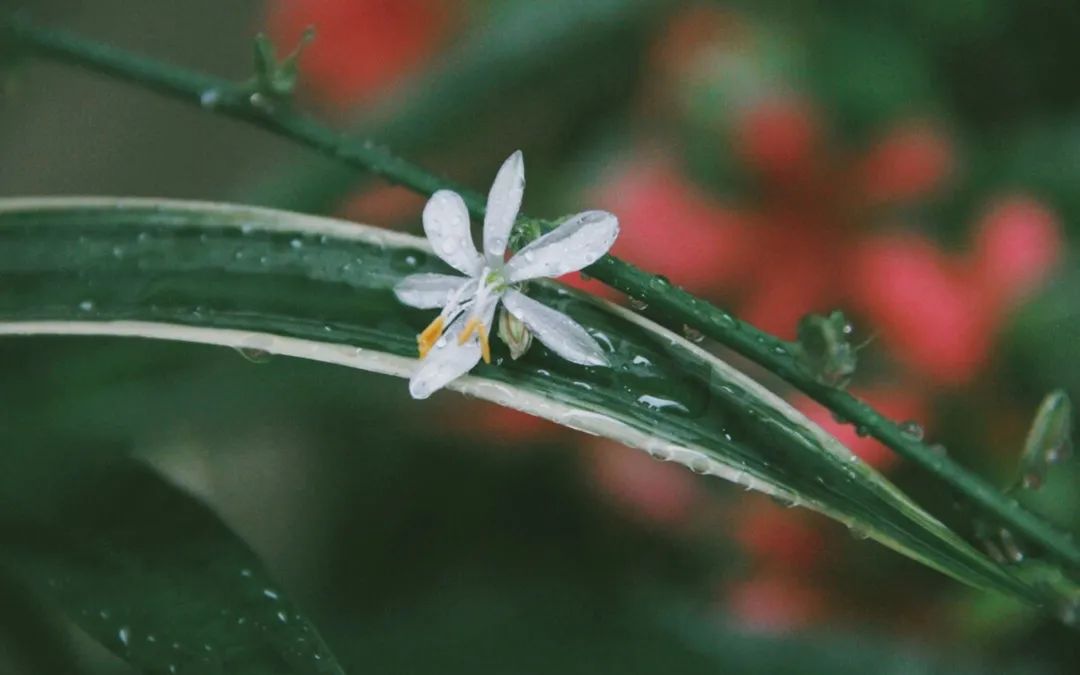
column 209, row 98
column 692, row 334
column 858, row 532
column 254, row 355
column 912, row 430
column 699, row 465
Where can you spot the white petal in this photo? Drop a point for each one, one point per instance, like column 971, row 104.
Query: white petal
column 446, row 362
column 503, row 204
column 579, row 242
column 428, row 291
column 557, row 331
column 446, row 224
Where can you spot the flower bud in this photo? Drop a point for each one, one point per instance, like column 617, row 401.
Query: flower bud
column 514, row 333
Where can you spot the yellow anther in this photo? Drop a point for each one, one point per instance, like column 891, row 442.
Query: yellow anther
column 427, row 339
column 485, row 348
column 474, row 325
column 471, row 326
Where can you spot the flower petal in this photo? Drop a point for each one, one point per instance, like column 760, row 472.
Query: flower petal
column 428, row 291
column 446, row 362
column 557, row 331
column 446, row 224
column 503, row 204
column 580, row 241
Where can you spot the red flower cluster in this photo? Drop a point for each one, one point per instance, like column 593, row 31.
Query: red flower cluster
column 826, row 228
column 362, row 46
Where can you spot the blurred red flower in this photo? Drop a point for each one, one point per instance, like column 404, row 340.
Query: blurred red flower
column 673, row 228
column 776, row 601
column 640, row 486
column 803, row 238
column 775, row 536
column 938, row 313
column 362, row 46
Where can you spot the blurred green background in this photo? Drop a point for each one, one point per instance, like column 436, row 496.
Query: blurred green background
column 912, row 163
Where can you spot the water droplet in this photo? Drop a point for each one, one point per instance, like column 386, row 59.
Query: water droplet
column 1009, row 546
column 640, row 360
column 692, row 334
column 296, row 244
column 254, row 354
column 270, row 593
column 210, row 98
column 1069, row 613
column 1032, row 480
column 659, row 283
column 858, row 531
column 658, row 403
column 125, row 635
column 261, row 102
column 912, row 430
column 86, row 305
column 939, row 450
column 639, row 305
column 699, row 465
column 661, row 453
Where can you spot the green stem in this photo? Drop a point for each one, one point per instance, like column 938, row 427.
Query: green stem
column 233, row 100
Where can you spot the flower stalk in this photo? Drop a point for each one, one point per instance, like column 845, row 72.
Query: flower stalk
column 668, row 301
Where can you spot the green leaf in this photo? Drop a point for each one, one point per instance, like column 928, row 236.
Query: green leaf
column 322, row 289
column 154, row 576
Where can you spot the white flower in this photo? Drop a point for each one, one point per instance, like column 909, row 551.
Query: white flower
column 458, row 338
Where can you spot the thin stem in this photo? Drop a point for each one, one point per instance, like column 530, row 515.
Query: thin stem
column 237, row 101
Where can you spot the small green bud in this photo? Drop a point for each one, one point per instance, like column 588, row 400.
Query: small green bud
column 514, row 333
column 825, row 350
column 273, row 78
column 1049, row 440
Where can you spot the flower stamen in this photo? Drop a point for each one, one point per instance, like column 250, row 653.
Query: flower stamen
column 430, row 335
column 485, row 348
column 475, row 325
